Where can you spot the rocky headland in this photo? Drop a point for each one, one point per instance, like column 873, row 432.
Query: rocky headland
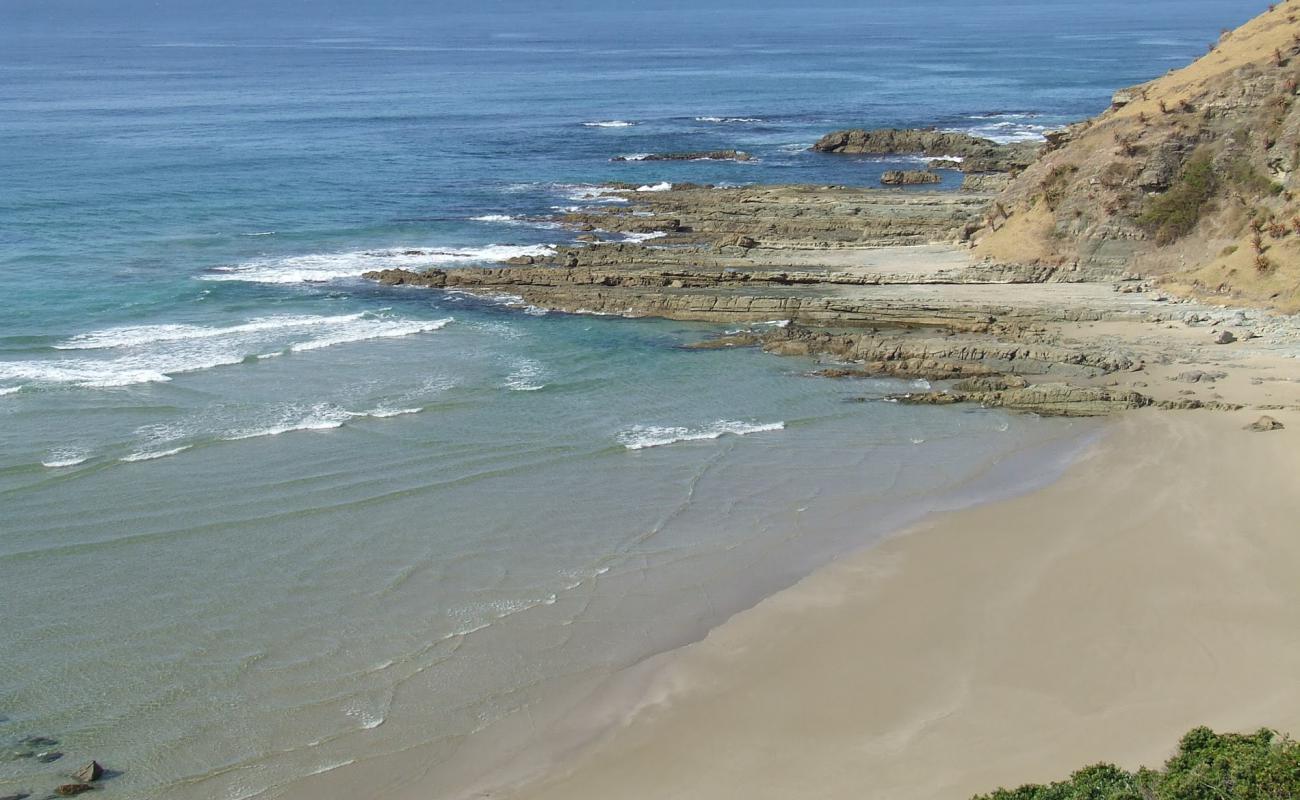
column 1142, row 258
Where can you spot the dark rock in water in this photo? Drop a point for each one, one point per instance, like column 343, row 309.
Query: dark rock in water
column 1265, row 424
column 978, row 155
column 38, row 741
column 703, row 155
column 73, row 789
column 898, row 177
column 18, row 796
column 91, row 772
column 49, row 757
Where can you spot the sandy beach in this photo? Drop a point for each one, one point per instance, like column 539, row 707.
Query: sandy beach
column 1150, row 590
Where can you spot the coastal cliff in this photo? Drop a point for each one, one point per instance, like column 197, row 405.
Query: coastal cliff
column 1190, row 178
column 1077, row 276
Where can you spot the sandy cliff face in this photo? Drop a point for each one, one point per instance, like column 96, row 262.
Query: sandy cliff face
column 1191, row 177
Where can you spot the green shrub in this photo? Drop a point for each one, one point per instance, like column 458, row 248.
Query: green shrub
column 1175, row 213
column 1207, row 766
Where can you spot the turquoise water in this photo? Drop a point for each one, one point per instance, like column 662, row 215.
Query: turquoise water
column 259, row 518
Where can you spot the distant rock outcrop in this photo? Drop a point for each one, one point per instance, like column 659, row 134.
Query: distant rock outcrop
column 969, row 153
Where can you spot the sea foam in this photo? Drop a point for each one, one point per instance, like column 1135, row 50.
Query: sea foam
column 640, row 437
column 124, row 356
column 609, row 123
column 325, row 267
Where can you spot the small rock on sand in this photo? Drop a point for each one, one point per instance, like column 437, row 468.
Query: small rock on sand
column 1225, row 337
column 1264, row 424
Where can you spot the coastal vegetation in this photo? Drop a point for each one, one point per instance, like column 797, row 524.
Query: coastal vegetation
column 1208, row 766
column 1190, row 179
column 1175, row 213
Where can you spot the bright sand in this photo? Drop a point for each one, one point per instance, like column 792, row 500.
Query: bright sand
column 1154, row 588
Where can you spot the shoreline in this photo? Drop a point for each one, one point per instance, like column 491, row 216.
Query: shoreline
column 912, row 670
column 527, row 745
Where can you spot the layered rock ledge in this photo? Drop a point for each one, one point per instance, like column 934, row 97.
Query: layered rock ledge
column 877, row 283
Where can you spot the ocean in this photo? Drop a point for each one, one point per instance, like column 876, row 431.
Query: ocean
column 260, row 519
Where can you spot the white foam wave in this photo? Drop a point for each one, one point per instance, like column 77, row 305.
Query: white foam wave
column 259, row 233
column 655, row 187
column 108, row 374
column 133, row 335
column 609, row 123
column 324, row 267
column 643, row 237
column 385, row 413
column 728, row 120
column 378, row 329
column 10, row 390
column 493, row 218
column 320, row 417
column 582, row 192
column 151, row 455
column 1006, row 131
column 634, row 157
column 334, row 766
column 525, row 377
column 153, row 353
column 65, row 457
column 640, row 437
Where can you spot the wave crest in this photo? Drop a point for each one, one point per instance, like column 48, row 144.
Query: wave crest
column 640, row 437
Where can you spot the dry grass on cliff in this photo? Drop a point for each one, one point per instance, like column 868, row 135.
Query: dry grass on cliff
column 1126, row 186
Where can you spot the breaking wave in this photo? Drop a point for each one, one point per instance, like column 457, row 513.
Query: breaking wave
column 324, row 267
column 609, row 123
column 123, row 356
column 729, row 120
column 641, row 437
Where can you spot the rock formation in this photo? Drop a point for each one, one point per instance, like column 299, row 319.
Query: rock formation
column 898, row 177
column 968, row 153
column 1191, row 178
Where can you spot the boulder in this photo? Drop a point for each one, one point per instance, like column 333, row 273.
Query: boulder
column 898, row 177
column 1225, row 337
column 91, row 772
column 1265, row 424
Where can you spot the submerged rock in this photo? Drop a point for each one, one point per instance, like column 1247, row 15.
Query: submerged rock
column 49, row 757
column 73, row 789
column 1265, row 424
column 702, row 155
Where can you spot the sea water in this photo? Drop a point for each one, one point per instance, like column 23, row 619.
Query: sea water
column 260, row 519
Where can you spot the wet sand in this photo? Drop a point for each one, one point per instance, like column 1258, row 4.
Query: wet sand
column 1150, row 590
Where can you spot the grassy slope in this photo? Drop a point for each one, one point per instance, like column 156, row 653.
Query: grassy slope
column 1125, row 188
